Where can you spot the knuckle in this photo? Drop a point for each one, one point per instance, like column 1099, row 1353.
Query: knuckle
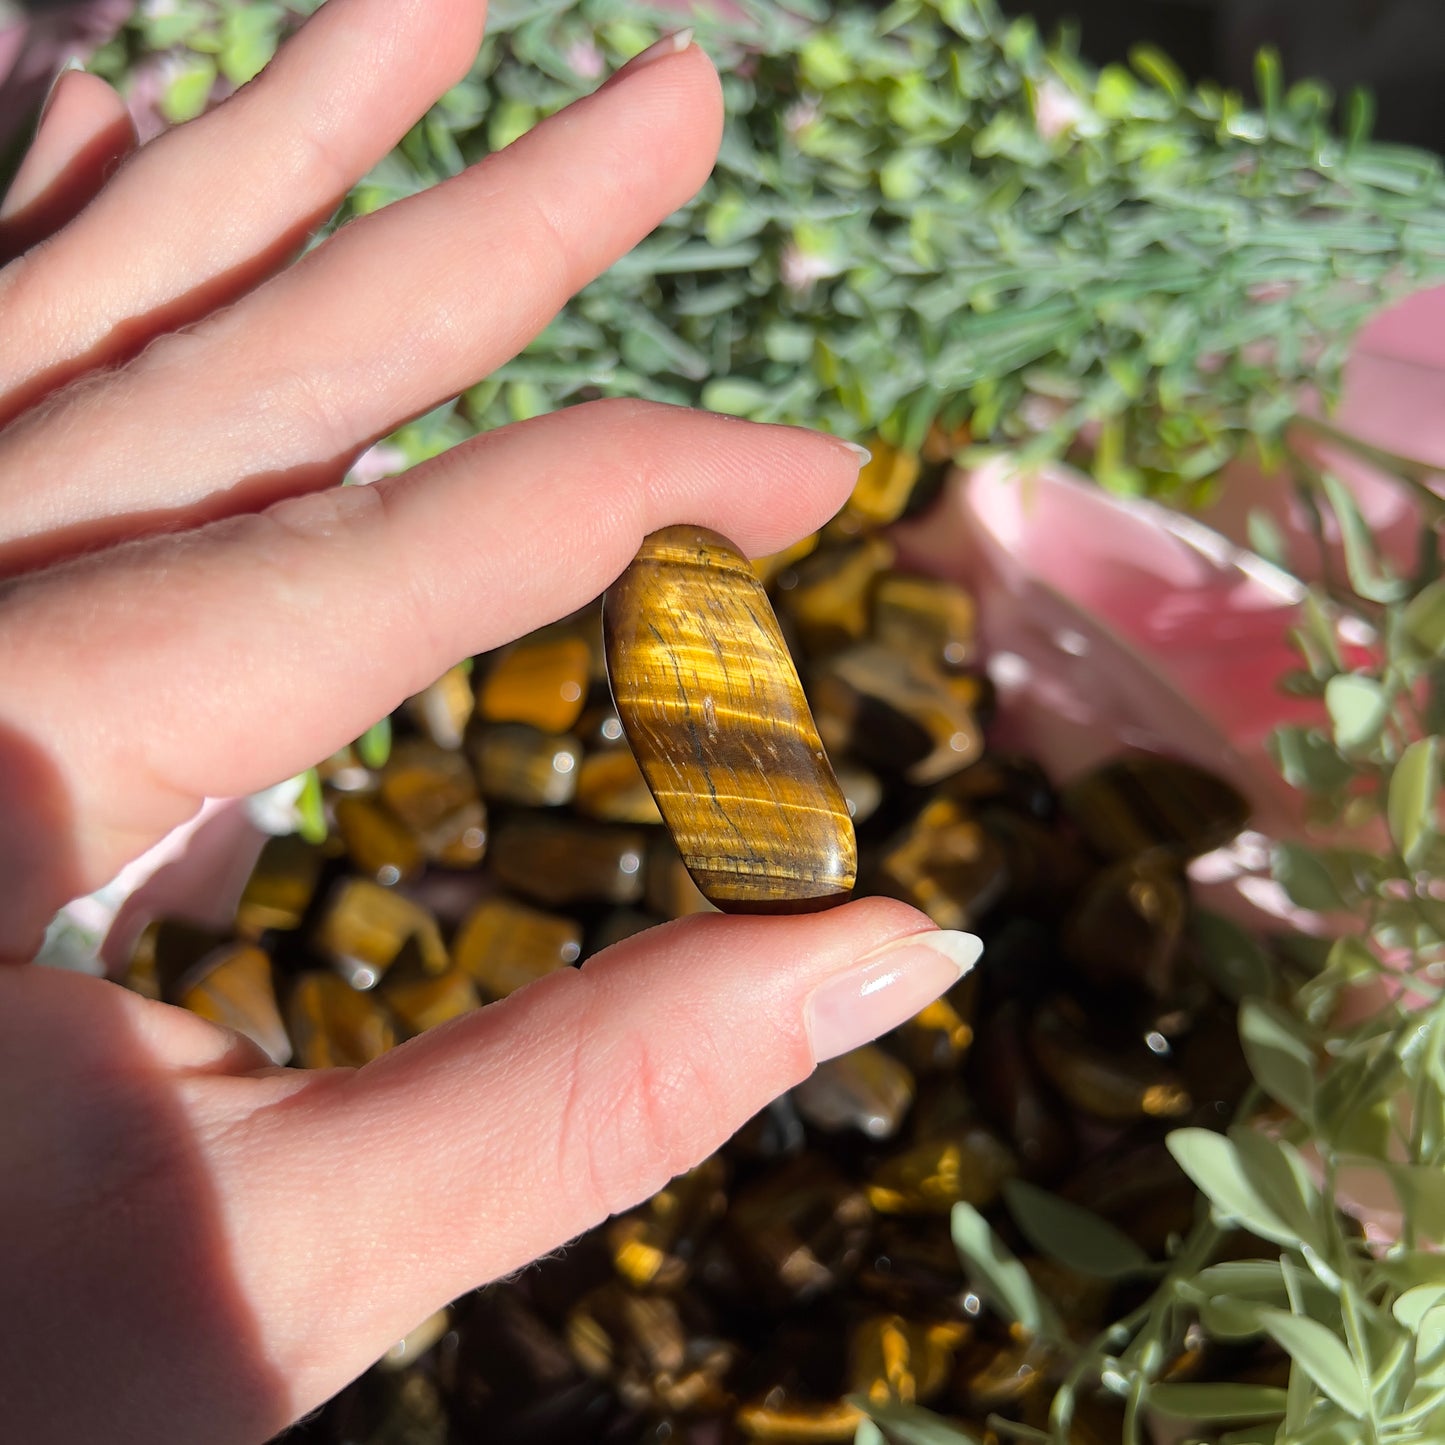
column 649, row 1112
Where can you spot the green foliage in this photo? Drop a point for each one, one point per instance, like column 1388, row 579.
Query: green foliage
column 928, row 211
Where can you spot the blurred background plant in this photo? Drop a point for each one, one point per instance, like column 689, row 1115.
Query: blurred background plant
column 932, row 227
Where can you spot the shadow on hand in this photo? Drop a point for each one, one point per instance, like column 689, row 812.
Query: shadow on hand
column 127, row 1320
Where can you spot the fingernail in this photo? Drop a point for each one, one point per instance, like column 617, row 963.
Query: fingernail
column 882, row 990
column 73, row 64
column 862, row 453
column 673, row 44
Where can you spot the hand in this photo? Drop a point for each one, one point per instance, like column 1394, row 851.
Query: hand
column 198, row 1246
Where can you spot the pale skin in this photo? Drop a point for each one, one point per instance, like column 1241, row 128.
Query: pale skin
column 197, row 1246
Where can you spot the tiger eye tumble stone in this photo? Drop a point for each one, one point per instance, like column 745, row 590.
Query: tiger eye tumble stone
column 365, row 928
column 716, row 717
column 865, row 1089
column 540, row 680
column 281, row 886
column 1144, row 801
column 334, row 1026
column 232, row 986
column 503, row 945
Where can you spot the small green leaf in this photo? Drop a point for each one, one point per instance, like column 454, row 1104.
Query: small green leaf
column 1368, row 575
column 1074, row 1236
column 1358, row 711
column 1235, row 962
column 310, row 813
column 1209, row 1403
column 374, row 745
column 1411, row 807
column 1305, row 878
column 1322, row 1355
column 1280, row 1053
column 1424, row 619
column 1421, row 1189
column 189, row 90
column 1213, row 1163
column 1277, row 1174
column 868, row 1433
column 997, row 1275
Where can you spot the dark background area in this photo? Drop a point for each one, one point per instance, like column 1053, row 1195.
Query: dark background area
column 1395, row 48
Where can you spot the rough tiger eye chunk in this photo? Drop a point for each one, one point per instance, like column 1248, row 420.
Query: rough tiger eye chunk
column 431, row 791
column 718, row 722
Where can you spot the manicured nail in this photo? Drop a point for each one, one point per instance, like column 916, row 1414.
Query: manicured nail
column 673, row 44
column 885, row 988
column 70, row 65
column 862, row 453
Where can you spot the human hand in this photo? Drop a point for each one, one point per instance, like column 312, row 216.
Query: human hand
column 199, row 1246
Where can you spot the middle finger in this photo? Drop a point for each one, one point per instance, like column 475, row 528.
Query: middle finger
column 392, row 315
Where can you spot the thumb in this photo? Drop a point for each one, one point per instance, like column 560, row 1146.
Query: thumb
column 488, row 1142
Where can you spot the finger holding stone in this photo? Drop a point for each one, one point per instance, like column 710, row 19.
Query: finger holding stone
column 85, row 132
column 202, row 213
column 395, row 313
column 150, row 677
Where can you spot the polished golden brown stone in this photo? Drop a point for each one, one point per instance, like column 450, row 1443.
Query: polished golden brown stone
column 377, row 843
column 1128, row 923
column 422, row 1001
column 232, row 986
column 782, row 1421
column 280, row 888
column 518, row 763
column 968, row 1166
column 364, row 929
column 925, row 617
column 560, row 862
column 910, row 1361
column 1100, row 1079
column 502, row 945
column 611, row 788
column 898, row 712
column 717, row 719
column 541, row 680
column 656, row 1245
column 334, row 1026
column 165, row 952
column 430, row 790
column 884, row 485
column 866, row 1089
column 443, row 710
column 946, row 864
column 936, row 1038
column 1144, row 801
column 828, row 595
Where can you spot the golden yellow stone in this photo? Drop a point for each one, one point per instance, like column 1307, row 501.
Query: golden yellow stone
column 334, row 1026
column 432, row 793
column 166, row 951
column 377, row 843
column 884, row 485
column 654, row 1247
column 281, row 886
column 558, row 862
column 517, row 763
column 233, row 987
column 905, row 1360
column 828, row 595
column 936, row 1039
column 717, row 720
column 443, row 710
column 945, row 863
column 967, row 1166
column 421, row 1002
column 770, row 566
column 364, row 929
column 927, row 617
column 540, row 680
column 785, row 1423
column 898, row 712
column 502, row 945
column 611, row 788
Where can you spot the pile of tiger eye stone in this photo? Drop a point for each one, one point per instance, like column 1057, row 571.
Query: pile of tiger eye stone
column 510, row 833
